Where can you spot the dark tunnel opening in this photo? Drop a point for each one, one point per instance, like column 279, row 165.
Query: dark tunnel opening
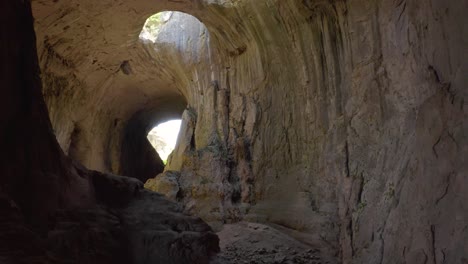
column 139, row 159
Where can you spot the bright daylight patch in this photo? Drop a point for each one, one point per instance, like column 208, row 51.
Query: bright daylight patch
column 164, row 137
column 153, row 25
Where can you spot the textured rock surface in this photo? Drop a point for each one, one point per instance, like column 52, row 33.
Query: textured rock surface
column 129, row 225
column 344, row 120
column 256, row 243
column 166, row 183
column 55, row 211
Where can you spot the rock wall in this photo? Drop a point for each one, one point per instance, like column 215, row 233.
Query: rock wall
column 342, row 120
column 53, row 210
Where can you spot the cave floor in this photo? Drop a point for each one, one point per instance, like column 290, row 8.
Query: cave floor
column 255, row 243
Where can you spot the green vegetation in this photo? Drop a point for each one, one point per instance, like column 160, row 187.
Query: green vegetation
column 390, row 192
column 205, row 181
column 361, row 206
column 153, row 25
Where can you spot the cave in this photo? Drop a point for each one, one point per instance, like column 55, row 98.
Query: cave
column 163, row 138
column 311, row 131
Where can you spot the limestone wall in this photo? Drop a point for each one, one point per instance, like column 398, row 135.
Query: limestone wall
column 343, row 120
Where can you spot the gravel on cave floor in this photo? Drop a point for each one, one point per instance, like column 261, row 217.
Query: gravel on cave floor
column 253, row 243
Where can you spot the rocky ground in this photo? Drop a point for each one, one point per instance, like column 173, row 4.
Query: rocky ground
column 253, row 243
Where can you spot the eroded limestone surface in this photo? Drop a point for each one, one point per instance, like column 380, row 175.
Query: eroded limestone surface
column 343, row 120
column 55, row 211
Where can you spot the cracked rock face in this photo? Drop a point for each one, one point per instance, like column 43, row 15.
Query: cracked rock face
column 343, row 120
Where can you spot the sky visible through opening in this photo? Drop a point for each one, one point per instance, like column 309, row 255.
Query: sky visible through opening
column 164, row 137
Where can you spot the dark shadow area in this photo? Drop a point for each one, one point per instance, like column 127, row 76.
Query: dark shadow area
column 138, row 158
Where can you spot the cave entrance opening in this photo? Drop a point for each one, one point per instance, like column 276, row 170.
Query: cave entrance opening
column 168, row 38
column 163, row 138
column 154, row 24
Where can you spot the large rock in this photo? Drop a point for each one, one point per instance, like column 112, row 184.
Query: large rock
column 166, row 183
column 129, row 225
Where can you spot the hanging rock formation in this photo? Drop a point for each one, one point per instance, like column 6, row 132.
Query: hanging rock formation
column 345, row 122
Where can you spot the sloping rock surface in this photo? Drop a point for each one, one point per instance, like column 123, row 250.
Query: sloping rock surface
column 129, row 225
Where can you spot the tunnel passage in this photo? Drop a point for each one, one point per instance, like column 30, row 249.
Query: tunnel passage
column 152, row 81
column 161, row 36
column 341, row 103
column 163, row 138
column 138, row 157
column 54, row 211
